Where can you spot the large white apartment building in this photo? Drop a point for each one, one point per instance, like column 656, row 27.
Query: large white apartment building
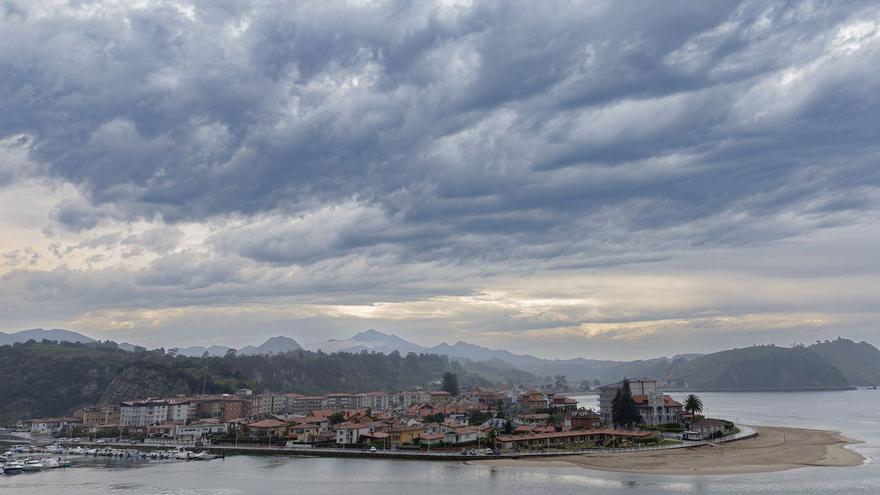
column 154, row 411
column 637, row 387
column 179, row 411
column 143, row 413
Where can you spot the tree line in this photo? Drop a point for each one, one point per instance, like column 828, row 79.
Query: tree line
column 43, row 379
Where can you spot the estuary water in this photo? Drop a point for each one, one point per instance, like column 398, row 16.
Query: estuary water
column 854, row 413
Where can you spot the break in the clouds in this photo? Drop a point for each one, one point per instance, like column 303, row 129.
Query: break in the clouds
column 567, row 178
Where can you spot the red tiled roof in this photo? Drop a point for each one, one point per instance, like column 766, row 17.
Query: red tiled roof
column 565, row 434
column 584, row 414
column 667, row 400
column 377, row 434
column 466, row 429
column 401, row 429
column 313, row 419
column 208, row 421
column 267, row 423
column 353, row 426
column 535, row 416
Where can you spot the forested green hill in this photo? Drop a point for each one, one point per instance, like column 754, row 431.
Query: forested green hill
column 758, row 367
column 50, row 379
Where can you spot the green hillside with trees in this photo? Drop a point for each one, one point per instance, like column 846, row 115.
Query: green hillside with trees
column 823, row 365
column 757, row 367
column 858, row 361
column 50, row 379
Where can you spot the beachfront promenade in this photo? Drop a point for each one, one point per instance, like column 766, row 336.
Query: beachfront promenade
column 232, row 449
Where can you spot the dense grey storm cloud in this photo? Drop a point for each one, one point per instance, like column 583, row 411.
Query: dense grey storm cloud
column 558, row 176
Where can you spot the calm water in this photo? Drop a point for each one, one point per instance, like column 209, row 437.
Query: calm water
column 855, row 413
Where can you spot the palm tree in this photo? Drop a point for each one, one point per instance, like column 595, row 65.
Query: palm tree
column 693, row 404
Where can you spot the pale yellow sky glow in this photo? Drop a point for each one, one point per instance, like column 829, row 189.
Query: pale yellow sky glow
column 621, row 308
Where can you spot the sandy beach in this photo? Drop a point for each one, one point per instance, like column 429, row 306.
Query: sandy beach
column 774, row 449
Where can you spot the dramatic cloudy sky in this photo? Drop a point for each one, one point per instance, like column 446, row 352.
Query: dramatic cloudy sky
column 599, row 179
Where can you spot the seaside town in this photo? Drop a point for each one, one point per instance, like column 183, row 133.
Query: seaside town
column 470, row 421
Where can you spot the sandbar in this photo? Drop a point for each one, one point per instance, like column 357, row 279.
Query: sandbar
column 774, row 449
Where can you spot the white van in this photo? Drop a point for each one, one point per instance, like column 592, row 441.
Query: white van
column 693, row 436
column 295, row 445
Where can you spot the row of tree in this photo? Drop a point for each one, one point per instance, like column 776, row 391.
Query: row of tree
column 47, row 379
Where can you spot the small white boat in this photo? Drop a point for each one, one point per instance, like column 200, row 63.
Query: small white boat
column 13, row 467
column 33, row 465
column 55, row 462
column 203, row 456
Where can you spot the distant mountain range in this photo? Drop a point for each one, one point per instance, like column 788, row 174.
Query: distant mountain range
column 56, row 334
column 825, row 364
column 198, row 351
column 373, row 341
column 376, row 341
column 39, row 334
column 275, row 345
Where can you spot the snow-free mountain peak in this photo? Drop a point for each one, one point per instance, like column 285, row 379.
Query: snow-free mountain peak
column 374, row 341
column 38, row 334
column 274, row 345
column 377, row 336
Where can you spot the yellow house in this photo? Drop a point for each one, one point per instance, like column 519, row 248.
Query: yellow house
column 302, row 432
column 406, row 435
column 267, row 428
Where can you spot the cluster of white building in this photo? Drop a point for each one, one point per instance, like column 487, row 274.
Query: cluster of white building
column 654, row 406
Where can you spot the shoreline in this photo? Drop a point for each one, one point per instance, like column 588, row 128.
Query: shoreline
column 774, row 449
column 761, row 390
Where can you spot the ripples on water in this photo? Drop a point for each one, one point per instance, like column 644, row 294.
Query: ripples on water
column 854, row 413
